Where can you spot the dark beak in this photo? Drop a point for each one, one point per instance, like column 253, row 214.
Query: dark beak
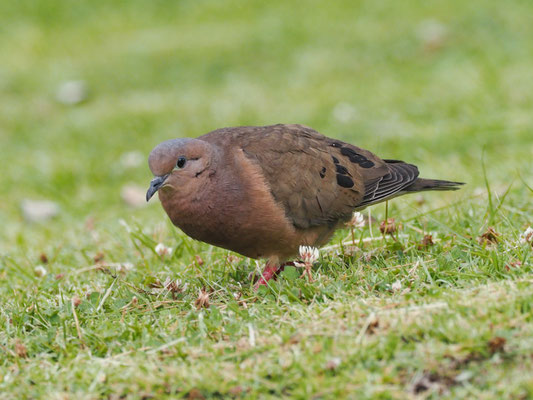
column 155, row 184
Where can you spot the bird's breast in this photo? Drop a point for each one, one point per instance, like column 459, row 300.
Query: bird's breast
column 235, row 210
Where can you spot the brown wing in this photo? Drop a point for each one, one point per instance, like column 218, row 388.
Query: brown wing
column 318, row 180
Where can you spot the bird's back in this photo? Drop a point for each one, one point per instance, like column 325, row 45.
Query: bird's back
column 318, row 180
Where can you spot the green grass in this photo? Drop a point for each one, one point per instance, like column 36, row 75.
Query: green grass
column 447, row 85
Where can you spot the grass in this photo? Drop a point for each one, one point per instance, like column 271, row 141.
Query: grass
column 447, row 85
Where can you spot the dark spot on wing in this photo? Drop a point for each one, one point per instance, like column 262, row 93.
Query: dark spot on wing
column 367, row 164
column 341, row 169
column 346, row 151
column 344, row 181
column 356, row 158
column 335, row 160
column 323, row 172
column 336, row 144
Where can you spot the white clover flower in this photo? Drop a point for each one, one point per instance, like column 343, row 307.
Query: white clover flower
column 174, row 285
column 527, row 236
column 357, row 221
column 40, row 271
column 309, row 254
column 163, row 250
column 396, row 286
column 125, row 267
column 333, row 363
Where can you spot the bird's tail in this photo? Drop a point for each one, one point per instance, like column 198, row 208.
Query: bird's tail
column 421, row 184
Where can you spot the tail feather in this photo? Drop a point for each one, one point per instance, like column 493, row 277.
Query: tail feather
column 401, row 179
column 421, row 184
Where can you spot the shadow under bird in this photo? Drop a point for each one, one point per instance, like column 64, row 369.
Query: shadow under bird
column 262, row 191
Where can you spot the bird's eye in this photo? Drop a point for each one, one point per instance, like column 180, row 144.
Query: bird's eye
column 181, row 162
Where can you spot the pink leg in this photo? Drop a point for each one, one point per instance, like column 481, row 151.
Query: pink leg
column 268, row 273
column 271, row 271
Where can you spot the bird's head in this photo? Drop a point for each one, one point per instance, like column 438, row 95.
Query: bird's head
column 180, row 166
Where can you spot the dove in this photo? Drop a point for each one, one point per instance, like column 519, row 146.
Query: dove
column 264, row 191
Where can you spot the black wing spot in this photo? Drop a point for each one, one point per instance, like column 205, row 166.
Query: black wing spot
column 323, row 172
column 366, row 164
column 336, row 144
column 344, row 181
column 357, row 158
column 346, row 151
column 335, row 160
column 341, row 169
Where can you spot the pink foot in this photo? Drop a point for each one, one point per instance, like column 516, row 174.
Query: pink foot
column 268, row 273
column 271, row 271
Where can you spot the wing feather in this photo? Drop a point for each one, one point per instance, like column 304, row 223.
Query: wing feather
column 317, row 180
column 400, row 176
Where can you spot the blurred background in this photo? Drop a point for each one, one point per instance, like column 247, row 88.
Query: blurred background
column 88, row 88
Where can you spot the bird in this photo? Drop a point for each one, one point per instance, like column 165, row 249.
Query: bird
column 264, row 191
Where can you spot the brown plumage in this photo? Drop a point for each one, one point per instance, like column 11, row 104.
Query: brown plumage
column 264, row 191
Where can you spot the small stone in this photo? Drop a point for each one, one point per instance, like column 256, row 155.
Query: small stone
column 39, row 210
column 71, row 92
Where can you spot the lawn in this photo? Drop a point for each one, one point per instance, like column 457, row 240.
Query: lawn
column 89, row 309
